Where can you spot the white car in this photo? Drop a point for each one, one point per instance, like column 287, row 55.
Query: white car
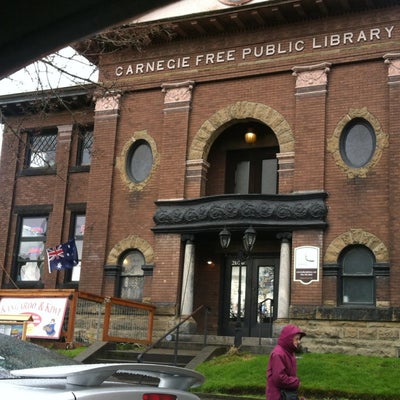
column 65, row 379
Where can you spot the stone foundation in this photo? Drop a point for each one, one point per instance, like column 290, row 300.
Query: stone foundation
column 350, row 337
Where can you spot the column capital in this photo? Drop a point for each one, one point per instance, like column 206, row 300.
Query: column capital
column 284, row 236
column 188, row 238
column 177, row 94
column 107, row 102
column 393, row 62
column 311, row 78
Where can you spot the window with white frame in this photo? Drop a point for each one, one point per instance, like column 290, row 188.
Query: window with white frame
column 31, row 248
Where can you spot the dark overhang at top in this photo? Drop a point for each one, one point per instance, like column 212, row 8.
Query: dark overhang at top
column 268, row 13
column 249, row 16
column 30, row 30
column 61, row 99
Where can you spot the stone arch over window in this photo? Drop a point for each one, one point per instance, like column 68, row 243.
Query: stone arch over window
column 131, row 242
column 123, row 159
column 211, row 128
column 382, row 141
column 354, row 237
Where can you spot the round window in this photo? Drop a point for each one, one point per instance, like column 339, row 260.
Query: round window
column 357, row 143
column 140, row 161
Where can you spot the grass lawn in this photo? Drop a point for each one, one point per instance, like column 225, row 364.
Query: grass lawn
column 72, row 352
column 323, row 376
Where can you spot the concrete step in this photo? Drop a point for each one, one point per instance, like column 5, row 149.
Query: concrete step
column 250, row 344
column 191, row 350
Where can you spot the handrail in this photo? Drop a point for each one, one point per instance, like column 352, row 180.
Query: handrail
column 265, row 300
column 176, row 328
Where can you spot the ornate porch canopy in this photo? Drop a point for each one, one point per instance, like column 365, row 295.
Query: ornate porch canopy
column 265, row 212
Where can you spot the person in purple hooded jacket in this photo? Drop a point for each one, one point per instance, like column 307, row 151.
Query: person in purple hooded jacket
column 282, row 366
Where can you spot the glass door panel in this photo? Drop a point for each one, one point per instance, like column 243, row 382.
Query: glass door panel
column 238, row 290
column 249, row 294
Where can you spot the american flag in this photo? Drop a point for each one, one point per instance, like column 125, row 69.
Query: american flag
column 63, row 256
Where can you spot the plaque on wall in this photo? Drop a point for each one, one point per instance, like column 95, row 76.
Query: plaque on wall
column 306, row 264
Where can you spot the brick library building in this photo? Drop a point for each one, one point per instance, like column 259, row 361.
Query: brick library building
column 239, row 155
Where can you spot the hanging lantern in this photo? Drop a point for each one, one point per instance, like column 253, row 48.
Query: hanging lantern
column 250, row 136
column 249, row 238
column 224, row 238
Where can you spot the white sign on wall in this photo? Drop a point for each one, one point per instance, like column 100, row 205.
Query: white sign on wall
column 306, row 264
column 47, row 314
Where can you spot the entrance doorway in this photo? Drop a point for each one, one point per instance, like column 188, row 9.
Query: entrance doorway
column 249, row 295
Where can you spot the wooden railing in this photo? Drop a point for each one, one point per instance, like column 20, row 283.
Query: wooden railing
column 89, row 318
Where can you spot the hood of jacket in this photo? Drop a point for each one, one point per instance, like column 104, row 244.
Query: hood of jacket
column 285, row 339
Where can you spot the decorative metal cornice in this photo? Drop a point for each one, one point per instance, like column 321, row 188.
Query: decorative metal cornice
column 274, row 212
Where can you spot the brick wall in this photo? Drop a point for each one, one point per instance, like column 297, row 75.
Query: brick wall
column 357, row 79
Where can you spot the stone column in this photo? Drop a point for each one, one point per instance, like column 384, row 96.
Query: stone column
column 284, row 276
column 188, row 278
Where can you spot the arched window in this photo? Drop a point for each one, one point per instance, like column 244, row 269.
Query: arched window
column 358, row 281
column 132, row 275
column 243, row 160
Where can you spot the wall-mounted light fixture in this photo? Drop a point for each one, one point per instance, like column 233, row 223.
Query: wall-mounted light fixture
column 250, row 136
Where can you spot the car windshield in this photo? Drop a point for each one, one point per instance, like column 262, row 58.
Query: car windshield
column 19, row 354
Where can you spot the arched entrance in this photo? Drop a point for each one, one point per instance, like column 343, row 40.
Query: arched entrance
column 249, row 284
column 240, row 184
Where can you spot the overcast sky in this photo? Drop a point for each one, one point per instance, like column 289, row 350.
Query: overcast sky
column 41, row 76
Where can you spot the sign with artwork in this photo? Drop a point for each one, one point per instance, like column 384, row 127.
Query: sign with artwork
column 306, row 264
column 47, row 314
column 14, row 325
